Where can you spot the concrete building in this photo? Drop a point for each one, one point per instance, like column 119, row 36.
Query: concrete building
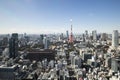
column 7, row 72
column 86, row 35
column 104, row 36
column 67, row 34
column 108, row 62
column 115, row 64
column 86, row 56
column 94, row 34
column 46, row 43
column 78, row 61
column 41, row 39
column 86, row 32
column 115, row 36
column 40, row 55
column 13, row 46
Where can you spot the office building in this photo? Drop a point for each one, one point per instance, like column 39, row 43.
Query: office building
column 8, row 72
column 86, row 34
column 13, row 46
column 78, row 61
column 40, row 55
column 87, row 56
column 41, row 39
column 94, row 34
column 104, row 36
column 115, row 41
column 115, row 67
column 46, row 42
column 67, row 34
column 61, row 36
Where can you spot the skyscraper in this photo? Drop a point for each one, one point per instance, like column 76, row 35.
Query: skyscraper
column 67, row 34
column 13, row 46
column 41, row 39
column 86, row 33
column 104, row 36
column 46, row 42
column 115, row 41
column 94, row 34
column 61, row 36
column 41, row 36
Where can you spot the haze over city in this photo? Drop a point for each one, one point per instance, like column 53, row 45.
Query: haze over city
column 53, row 16
column 59, row 39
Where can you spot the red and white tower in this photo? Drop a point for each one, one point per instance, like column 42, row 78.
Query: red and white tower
column 71, row 35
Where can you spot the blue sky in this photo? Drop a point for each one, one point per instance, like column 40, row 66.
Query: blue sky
column 53, row 16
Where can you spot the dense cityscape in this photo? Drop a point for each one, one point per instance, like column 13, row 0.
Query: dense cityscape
column 87, row 56
column 59, row 39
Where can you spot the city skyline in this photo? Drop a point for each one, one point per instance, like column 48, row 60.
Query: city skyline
column 53, row 16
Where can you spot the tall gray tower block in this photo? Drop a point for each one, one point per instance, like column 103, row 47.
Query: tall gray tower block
column 115, row 41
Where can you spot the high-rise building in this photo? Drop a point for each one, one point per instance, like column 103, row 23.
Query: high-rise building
column 104, row 36
column 41, row 36
column 41, row 39
column 61, row 36
column 46, row 42
column 13, row 46
column 5, row 41
column 67, row 34
column 86, row 36
column 115, row 41
column 94, row 34
column 86, row 33
column 115, row 64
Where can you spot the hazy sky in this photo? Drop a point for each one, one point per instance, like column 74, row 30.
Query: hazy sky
column 53, row 16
